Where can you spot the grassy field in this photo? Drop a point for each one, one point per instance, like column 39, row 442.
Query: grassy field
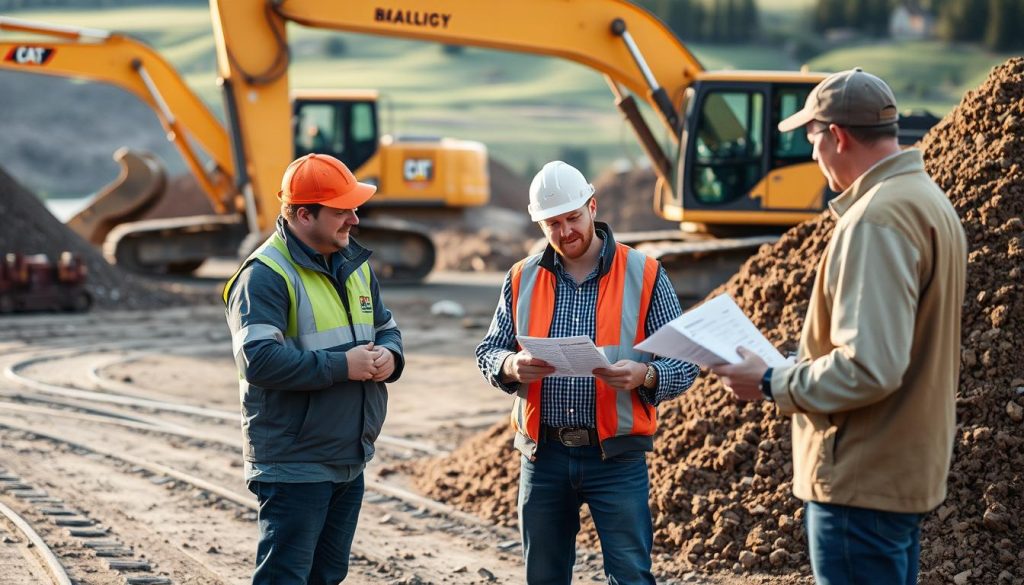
column 525, row 108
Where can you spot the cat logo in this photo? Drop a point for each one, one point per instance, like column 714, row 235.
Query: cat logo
column 25, row 55
column 418, row 170
column 365, row 305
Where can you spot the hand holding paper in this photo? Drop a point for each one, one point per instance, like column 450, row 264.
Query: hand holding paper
column 524, row 368
column 743, row 379
column 709, row 336
column 571, row 356
column 623, row 375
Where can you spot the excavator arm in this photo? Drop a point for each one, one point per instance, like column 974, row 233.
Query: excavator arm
column 133, row 66
column 636, row 53
column 631, row 47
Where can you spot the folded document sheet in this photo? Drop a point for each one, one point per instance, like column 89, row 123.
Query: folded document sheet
column 571, row 356
column 709, row 335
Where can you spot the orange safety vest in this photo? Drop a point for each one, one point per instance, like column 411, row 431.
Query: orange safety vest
column 623, row 297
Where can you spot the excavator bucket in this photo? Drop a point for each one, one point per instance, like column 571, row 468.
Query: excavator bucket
column 137, row 188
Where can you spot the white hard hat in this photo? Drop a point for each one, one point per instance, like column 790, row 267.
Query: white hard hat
column 558, row 188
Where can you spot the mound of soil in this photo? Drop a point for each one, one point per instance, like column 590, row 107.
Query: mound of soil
column 28, row 227
column 721, row 472
column 625, row 200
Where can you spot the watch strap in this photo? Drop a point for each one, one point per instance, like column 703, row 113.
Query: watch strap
column 766, row 385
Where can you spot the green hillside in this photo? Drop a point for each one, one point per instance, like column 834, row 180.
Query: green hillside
column 525, row 108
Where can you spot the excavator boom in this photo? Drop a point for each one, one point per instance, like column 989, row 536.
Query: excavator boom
column 629, row 45
column 135, row 67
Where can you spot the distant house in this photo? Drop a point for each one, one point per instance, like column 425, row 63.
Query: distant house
column 910, row 22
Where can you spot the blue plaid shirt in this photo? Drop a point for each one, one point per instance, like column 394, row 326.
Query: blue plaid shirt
column 569, row 402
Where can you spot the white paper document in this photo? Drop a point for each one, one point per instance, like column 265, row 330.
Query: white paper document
column 572, row 357
column 709, row 336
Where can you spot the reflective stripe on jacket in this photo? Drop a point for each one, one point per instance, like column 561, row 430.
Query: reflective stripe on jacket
column 292, row 320
column 624, row 421
column 317, row 318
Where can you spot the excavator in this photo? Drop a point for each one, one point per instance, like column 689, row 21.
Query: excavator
column 421, row 176
column 724, row 172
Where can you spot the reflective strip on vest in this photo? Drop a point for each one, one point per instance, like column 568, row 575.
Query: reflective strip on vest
column 623, row 300
column 317, row 318
column 254, row 333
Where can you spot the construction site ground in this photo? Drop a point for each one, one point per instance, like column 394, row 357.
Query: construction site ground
column 60, row 443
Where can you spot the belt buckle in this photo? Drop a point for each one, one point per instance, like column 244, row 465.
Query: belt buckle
column 574, row 437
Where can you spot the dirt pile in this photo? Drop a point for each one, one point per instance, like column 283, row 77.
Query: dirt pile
column 977, row 155
column 625, row 200
column 721, row 471
column 493, row 237
column 28, row 227
column 509, row 190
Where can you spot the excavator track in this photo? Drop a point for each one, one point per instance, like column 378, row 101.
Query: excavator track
column 402, row 250
column 176, row 245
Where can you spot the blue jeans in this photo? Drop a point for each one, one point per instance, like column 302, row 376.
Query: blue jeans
column 855, row 546
column 306, row 531
column 551, row 491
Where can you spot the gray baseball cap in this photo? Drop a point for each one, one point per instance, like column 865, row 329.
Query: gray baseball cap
column 847, row 98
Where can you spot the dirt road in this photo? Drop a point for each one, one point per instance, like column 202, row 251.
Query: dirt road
column 129, row 421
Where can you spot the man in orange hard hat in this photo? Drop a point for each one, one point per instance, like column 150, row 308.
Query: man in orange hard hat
column 314, row 344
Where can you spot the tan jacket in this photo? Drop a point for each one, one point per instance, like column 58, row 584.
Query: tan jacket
column 872, row 392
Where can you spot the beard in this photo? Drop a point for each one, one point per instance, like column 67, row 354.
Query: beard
column 580, row 244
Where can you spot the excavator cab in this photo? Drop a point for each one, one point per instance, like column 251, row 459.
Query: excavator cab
column 736, row 168
column 341, row 124
column 412, row 173
column 419, row 179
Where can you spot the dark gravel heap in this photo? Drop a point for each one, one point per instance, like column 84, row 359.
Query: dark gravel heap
column 28, row 227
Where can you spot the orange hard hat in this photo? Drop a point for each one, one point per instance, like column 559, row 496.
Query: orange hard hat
column 323, row 179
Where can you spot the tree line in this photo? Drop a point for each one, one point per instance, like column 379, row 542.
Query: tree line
column 732, row 21
column 992, row 23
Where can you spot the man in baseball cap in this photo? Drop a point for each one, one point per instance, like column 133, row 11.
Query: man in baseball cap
column 872, row 395
column 857, row 105
column 314, row 345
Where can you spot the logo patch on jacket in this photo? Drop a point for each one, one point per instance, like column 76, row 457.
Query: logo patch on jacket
column 365, row 305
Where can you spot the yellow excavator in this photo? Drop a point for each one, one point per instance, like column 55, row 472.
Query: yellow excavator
column 725, row 173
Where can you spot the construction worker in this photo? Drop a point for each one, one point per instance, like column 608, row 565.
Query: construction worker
column 872, row 395
column 583, row 440
column 315, row 345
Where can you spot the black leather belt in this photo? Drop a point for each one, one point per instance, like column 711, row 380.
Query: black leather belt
column 571, row 437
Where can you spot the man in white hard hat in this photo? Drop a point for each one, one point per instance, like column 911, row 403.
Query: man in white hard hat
column 873, row 393
column 584, row 439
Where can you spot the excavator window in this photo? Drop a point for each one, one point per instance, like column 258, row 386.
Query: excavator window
column 363, row 137
column 789, row 147
column 343, row 128
column 316, row 123
column 730, row 145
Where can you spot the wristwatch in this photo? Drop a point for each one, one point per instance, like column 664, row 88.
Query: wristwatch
column 651, row 377
column 766, row 385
